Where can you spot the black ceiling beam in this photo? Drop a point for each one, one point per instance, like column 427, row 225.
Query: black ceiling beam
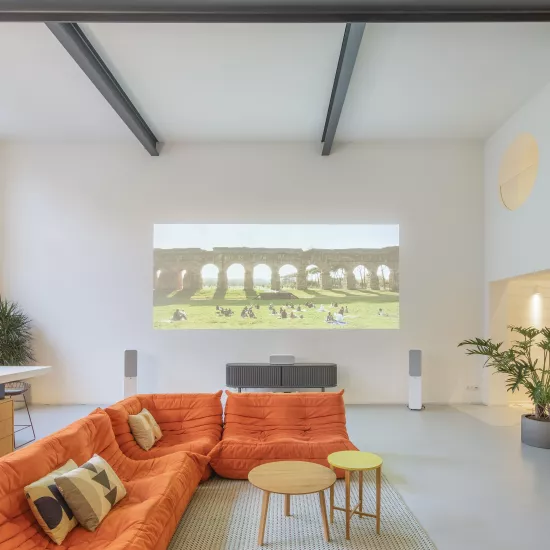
column 81, row 50
column 351, row 43
column 290, row 11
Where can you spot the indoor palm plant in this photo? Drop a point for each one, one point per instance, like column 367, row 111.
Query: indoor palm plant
column 15, row 335
column 522, row 369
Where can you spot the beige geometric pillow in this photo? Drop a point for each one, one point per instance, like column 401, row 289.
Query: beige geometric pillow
column 91, row 491
column 49, row 507
column 145, row 429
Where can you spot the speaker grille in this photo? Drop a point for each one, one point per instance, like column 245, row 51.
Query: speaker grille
column 309, row 377
column 130, row 363
column 254, row 376
column 415, row 362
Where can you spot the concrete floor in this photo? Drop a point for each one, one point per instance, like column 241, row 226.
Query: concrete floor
column 462, row 471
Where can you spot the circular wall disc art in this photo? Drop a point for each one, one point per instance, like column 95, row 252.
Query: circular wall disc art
column 518, row 171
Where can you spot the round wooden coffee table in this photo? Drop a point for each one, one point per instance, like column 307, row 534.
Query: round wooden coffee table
column 291, row 478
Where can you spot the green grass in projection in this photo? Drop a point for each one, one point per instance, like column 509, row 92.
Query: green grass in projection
column 362, row 309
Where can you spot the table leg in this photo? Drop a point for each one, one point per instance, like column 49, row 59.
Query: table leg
column 287, row 505
column 332, row 499
column 263, row 518
column 360, row 490
column 348, row 504
column 324, row 515
column 378, row 497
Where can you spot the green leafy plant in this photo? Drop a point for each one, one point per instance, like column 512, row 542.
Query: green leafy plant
column 15, row 335
column 518, row 364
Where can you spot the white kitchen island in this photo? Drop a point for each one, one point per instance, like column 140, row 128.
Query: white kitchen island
column 15, row 374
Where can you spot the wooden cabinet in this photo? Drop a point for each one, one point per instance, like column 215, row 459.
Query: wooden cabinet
column 6, row 426
column 265, row 375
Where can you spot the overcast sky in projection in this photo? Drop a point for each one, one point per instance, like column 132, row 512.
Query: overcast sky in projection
column 208, row 236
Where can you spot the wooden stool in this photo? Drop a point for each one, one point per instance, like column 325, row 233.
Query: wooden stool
column 356, row 461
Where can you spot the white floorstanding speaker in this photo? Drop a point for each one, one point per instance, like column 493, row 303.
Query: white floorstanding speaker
column 415, row 380
column 130, row 372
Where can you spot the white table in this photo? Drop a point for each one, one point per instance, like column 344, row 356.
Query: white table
column 15, row 374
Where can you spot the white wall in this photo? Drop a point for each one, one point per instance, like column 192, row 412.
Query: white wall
column 522, row 301
column 2, row 219
column 529, row 305
column 516, row 242
column 80, row 218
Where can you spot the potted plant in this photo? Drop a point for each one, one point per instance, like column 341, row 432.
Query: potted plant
column 522, row 369
column 15, row 335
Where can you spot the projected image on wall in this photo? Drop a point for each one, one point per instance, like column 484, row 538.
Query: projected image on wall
column 277, row 276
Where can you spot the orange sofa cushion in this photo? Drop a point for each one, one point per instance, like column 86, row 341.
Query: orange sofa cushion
column 189, row 422
column 266, row 427
column 158, row 491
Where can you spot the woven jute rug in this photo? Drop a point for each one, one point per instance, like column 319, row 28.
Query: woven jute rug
column 225, row 515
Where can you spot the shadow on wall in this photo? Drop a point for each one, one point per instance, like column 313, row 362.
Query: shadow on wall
column 41, row 387
column 521, row 301
column 148, row 378
column 161, row 298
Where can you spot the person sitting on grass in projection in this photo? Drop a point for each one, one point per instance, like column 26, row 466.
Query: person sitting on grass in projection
column 179, row 315
column 339, row 319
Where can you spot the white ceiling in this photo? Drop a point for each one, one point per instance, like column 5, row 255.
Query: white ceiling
column 44, row 94
column 272, row 82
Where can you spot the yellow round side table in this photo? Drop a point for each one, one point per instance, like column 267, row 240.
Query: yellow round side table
column 356, row 461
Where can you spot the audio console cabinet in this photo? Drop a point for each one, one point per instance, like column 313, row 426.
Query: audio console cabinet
column 6, row 426
column 266, row 375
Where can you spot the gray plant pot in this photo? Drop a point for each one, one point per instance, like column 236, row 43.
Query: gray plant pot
column 535, row 433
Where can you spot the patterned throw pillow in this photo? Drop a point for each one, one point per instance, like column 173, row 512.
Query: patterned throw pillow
column 49, row 507
column 91, row 491
column 145, row 429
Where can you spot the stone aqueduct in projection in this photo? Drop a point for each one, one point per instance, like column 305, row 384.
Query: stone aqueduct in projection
column 170, row 266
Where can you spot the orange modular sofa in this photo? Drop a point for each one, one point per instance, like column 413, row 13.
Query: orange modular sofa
column 158, row 491
column 189, row 422
column 265, row 427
